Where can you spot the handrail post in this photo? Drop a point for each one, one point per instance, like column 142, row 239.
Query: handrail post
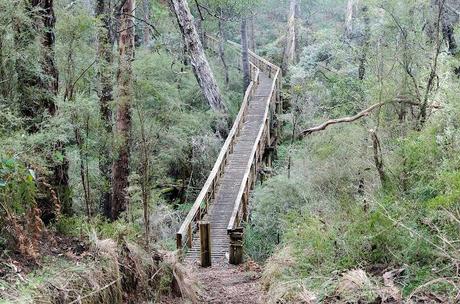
column 179, row 241
column 236, row 246
column 205, row 244
column 190, row 236
column 245, row 204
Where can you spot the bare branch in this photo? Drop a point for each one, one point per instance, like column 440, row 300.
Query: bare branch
column 198, row 7
column 361, row 114
column 119, row 6
column 144, row 21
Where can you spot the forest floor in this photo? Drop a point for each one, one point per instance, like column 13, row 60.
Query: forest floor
column 227, row 284
column 14, row 265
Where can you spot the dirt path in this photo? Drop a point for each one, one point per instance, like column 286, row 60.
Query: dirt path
column 227, row 284
column 230, row 284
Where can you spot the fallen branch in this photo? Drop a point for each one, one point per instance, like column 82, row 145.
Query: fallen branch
column 94, row 292
column 323, row 126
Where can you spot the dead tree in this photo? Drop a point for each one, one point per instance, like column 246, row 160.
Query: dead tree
column 290, row 48
column 200, row 64
column 245, row 54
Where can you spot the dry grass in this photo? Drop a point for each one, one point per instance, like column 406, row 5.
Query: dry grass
column 112, row 273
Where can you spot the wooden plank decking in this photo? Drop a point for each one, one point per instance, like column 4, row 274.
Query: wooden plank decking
column 221, row 209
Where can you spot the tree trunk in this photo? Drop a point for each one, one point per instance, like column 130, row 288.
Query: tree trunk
column 365, row 44
column 222, row 50
column 252, row 41
column 146, row 27
column 289, row 50
column 120, row 168
column 201, row 31
column 37, row 92
column 449, row 20
column 144, row 171
column 50, row 83
column 105, row 93
column 448, row 32
column 200, row 64
column 245, row 54
column 349, row 18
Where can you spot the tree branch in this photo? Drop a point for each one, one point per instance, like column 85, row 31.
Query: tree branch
column 323, row 126
column 119, row 6
column 198, row 7
column 144, row 21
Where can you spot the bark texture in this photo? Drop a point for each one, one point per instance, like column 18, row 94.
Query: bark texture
column 198, row 60
column 365, row 44
column 105, row 93
column 252, row 41
column 349, row 18
column 120, row 168
column 290, row 48
column 222, row 49
column 245, row 54
column 450, row 19
column 146, row 28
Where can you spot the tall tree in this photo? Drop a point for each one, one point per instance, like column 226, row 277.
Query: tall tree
column 146, row 27
column 364, row 43
column 120, row 168
column 290, row 47
column 252, row 40
column 105, row 92
column 450, row 17
column 200, row 64
column 38, row 90
column 245, row 53
column 222, row 40
column 351, row 4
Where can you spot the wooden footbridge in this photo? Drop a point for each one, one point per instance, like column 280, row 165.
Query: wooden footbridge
column 213, row 229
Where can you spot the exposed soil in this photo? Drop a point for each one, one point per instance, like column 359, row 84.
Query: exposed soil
column 230, row 285
column 226, row 284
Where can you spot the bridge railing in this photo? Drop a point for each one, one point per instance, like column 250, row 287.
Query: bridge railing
column 184, row 236
column 264, row 139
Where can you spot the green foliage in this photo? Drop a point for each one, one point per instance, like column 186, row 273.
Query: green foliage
column 17, row 187
column 79, row 226
column 328, row 227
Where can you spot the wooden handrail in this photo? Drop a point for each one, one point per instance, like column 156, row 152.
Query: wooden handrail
column 207, row 193
column 244, row 186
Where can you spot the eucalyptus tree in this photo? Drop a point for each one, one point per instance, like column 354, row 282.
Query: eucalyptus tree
column 228, row 10
column 200, row 64
column 105, row 91
column 291, row 35
column 146, row 32
column 125, row 99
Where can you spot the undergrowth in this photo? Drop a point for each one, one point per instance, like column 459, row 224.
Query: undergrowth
column 332, row 216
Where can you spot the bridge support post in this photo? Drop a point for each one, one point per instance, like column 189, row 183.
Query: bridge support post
column 205, row 244
column 236, row 246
